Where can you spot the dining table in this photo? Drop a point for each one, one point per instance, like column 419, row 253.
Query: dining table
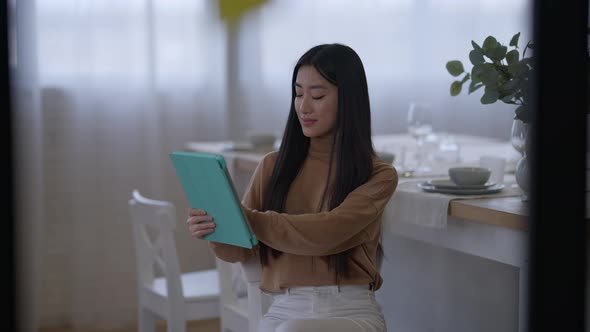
column 452, row 262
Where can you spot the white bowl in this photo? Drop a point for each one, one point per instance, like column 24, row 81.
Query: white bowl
column 262, row 140
column 469, row 176
column 387, row 157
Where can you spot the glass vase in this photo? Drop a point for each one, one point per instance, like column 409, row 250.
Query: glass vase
column 518, row 138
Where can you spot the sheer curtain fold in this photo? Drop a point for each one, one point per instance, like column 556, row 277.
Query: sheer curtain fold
column 122, row 84
column 28, row 160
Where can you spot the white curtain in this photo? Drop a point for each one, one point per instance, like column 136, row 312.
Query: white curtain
column 123, row 83
column 404, row 45
column 28, row 160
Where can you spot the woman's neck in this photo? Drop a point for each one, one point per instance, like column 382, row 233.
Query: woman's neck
column 320, row 147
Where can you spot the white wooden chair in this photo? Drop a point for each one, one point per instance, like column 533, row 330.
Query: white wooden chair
column 258, row 302
column 174, row 297
column 241, row 312
column 233, row 310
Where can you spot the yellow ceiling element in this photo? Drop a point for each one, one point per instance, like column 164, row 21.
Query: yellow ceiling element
column 231, row 10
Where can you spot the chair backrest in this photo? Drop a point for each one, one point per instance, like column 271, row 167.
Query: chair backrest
column 153, row 229
column 235, row 314
column 258, row 302
column 233, row 310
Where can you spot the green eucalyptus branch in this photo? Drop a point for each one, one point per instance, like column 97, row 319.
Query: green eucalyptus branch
column 502, row 72
column 528, row 45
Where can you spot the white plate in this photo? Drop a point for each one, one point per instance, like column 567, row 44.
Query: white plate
column 239, row 146
column 456, row 191
column 448, row 184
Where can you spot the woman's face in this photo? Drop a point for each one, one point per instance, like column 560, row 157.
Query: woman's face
column 316, row 102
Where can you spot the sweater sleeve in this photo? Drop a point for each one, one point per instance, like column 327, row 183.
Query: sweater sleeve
column 330, row 232
column 253, row 200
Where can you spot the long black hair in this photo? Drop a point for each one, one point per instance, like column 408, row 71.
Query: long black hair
column 351, row 146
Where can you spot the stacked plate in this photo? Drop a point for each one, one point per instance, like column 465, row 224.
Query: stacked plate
column 446, row 186
column 238, row 146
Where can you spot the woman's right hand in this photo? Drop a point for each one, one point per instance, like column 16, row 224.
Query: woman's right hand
column 199, row 223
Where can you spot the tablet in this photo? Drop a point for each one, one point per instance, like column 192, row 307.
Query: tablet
column 208, row 186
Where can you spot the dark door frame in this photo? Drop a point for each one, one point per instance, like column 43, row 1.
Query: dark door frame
column 7, row 176
column 558, row 229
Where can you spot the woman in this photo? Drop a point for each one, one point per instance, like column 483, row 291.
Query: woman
column 316, row 205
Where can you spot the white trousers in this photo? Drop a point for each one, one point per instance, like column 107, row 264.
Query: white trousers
column 325, row 309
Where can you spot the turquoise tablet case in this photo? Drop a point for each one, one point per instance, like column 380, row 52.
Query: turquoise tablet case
column 209, row 187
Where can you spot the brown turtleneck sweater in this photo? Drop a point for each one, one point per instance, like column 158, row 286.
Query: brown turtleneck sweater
column 303, row 233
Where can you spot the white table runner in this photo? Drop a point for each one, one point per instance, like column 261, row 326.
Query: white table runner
column 411, row 204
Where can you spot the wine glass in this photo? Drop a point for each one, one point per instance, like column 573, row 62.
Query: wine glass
column 420, row 126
